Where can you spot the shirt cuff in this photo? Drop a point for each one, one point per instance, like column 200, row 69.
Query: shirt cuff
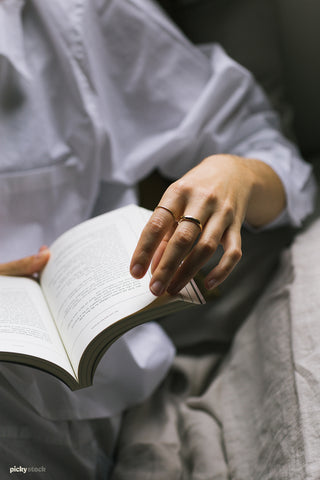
column 298, row 182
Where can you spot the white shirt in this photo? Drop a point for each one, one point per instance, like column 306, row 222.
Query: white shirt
column 93, row 96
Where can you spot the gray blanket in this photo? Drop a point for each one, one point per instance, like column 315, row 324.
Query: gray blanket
column 251, row 411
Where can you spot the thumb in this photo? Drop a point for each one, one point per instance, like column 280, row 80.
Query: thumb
column 27, row 265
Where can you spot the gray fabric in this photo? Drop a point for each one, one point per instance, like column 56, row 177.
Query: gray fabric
column 62, row 450
column 252, row 413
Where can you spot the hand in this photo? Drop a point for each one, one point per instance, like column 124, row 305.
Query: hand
column 220, row 192
column 26, row 266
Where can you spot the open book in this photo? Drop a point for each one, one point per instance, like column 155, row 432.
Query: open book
column 86, row 299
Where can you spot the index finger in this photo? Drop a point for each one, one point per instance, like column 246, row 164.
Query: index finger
column 160, row 223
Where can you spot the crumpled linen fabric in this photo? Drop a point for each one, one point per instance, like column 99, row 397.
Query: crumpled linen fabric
column 250, row 412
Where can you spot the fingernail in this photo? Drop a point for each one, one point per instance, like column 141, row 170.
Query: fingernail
column 137, row 270
column 43, row 253
column 211, row 284
column 157, row 288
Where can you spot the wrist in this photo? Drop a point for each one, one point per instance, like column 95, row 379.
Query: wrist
column 267, row 197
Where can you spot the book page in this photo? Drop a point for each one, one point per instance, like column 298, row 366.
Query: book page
column 87, row 281
column 26, row 326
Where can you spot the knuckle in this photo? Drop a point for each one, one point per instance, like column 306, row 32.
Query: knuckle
column 212, row 199
column 235, row 254
column 181, row 187
column 184, row 238
column 207, row 198
column 156, row 225
column 208, row 246
column 165, row 271
column 228, row 211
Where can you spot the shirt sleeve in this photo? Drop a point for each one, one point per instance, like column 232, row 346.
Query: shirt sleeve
column 175, row 105
column 11, row 35
column 254, row 131
column 242, row 122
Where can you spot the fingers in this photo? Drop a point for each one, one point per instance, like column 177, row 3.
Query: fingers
column 178, row 247
column 200, row 255
column 220, row 229
column 212, row 201
column 166, row 243
column 161, row 248
column 231, row 243
column 179, row 250
column 26, row 266
column 158, row 229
